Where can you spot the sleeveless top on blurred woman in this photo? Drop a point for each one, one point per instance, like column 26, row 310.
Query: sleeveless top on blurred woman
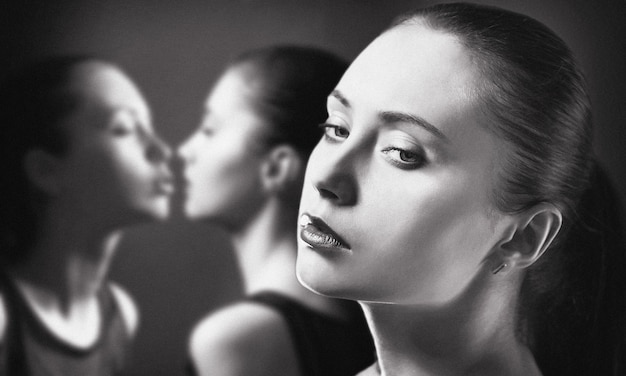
column 80, row 161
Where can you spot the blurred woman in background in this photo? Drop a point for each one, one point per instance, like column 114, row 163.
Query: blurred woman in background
column 80, row 161
column 244, row 168
column 456, row 197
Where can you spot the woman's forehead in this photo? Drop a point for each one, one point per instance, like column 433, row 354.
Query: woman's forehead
column 106, row 87
column 409, row 50
column 411, row 68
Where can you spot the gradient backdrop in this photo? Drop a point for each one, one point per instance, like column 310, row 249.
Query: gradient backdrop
column 175, row 50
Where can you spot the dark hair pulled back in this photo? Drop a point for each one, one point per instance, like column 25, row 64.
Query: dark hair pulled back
column 293, row 84
column 572, row 303
column 34, row 101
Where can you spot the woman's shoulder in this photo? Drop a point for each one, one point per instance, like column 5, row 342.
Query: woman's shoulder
column 238, row 325
column 372, row 370
column 127, row 307
column 243, row 338
column 3, row 317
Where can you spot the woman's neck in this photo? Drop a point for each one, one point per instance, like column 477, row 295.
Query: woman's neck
column 467, row 337
column 266, row 252
column 63, row 269
column 60, row 281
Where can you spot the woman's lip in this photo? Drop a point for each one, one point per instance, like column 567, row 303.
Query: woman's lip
column 165, row 186
column 315, row 232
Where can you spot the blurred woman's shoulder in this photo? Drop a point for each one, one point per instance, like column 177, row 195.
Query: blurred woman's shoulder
column 3, row 318
column 243, row 338
column 127, row 307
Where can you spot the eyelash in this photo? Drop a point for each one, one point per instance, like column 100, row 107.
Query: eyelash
column 399, row 161
column 336, row 128
column 420, row 158
column 120, row 130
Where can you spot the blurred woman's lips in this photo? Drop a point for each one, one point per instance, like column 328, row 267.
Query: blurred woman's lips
column 316, row 233
column 164, row 185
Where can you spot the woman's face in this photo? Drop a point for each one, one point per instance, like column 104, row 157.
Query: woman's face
column 221, row 158
column 116, row 165
column 396, row 203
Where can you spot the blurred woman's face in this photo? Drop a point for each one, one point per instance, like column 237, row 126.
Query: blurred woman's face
column 221, row 157
column 396, row 203
column 116, row 167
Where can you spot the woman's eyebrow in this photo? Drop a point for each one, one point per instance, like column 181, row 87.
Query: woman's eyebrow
column 341, row 98
column 389, row 117
column 136, row 115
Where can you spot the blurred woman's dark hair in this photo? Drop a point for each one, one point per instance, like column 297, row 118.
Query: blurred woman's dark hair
column 34, row 101
column 291, row 84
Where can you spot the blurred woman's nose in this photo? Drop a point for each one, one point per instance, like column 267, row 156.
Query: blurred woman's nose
column 333, row 176
column 158, row 150
column 183, row 151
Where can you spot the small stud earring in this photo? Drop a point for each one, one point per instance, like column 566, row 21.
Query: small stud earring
column 500, row 267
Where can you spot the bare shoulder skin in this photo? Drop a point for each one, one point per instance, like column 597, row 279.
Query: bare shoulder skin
column 128, row 308
column 3, row 318
column 243, row 339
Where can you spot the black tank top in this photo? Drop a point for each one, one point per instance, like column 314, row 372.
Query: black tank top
column 325, row 346
column 30, row 349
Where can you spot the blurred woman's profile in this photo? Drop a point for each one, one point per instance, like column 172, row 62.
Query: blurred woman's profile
column 244, row 169
column 80, row 161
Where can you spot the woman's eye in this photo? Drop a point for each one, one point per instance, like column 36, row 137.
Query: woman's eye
column 334, row 132
column 120, row 130
column 123, row 123
column 405, row 159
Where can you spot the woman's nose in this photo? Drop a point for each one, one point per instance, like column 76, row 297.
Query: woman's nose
column 158, row 150
column 333, row 176
column 183, row 151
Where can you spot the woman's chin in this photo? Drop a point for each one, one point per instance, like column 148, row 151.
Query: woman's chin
column 192, row 212
column 319, row 279
column 150, row 211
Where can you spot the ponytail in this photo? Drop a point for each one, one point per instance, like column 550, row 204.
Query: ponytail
column 573, row 301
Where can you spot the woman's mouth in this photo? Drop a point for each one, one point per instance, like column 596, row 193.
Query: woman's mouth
column 164, row 186
column 318, row 234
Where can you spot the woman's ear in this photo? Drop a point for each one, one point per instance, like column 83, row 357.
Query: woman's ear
column 532, row 233
column 42, row 170
column 281, row 168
